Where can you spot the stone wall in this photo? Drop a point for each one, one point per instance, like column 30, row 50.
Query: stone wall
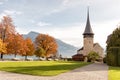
column 98, row 49
column 88, row 45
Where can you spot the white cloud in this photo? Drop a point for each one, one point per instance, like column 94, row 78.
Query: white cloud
column 72, row 3
column 32, row 21
column 1, row 3
column 10, row 12
column 95, row 5
column 65, row 4
column 43, row 24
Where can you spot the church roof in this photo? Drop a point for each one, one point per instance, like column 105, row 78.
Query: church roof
column 97, row 44
column 80, row 49
column 88, row 29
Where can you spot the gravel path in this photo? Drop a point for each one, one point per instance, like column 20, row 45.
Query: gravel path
column 96, row 71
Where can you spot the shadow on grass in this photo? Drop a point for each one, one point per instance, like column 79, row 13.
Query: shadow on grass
column 42, row 70
column 54, row 68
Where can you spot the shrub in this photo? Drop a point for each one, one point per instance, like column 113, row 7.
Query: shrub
column 92, row 56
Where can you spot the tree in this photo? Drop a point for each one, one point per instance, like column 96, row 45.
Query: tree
column 16, row 45
column 113, row 48
column 6, row 28
column 47, row 43
column 92, row 56
column 30, row 46
column 40, row 52
column 114, row 40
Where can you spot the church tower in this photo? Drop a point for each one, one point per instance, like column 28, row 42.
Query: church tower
column 88, row 37
column 88, row 44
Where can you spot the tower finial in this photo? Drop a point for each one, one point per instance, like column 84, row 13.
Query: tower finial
column 88, row 12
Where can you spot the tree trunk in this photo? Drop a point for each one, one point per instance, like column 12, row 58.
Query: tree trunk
column 25, row 57
column 15, row 56
column 1, row 57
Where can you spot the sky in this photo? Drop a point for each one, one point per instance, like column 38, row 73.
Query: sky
column 64, row 19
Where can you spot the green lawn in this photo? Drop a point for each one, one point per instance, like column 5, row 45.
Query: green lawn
column 114, row 73
column 40, row 68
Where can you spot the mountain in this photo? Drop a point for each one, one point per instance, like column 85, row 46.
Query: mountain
column 66, row 50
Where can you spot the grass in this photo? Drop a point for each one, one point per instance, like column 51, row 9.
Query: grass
column 114, row 73
column 40, row 68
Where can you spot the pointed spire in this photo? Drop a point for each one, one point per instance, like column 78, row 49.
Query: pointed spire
column 88, row 29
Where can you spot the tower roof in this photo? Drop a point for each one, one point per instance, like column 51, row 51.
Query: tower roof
column 88, row 29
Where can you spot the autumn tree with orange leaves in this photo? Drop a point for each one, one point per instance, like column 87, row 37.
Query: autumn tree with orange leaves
column 16, row 44
column 30, row 48
column 47, row 44
column 6, row 28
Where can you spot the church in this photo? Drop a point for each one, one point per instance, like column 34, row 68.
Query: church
column 88, row 41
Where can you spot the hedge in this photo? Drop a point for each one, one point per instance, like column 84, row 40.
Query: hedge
column 113, row 56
